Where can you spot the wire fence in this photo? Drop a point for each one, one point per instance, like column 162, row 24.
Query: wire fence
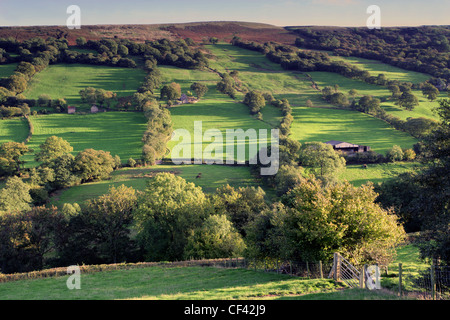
column 430, row 283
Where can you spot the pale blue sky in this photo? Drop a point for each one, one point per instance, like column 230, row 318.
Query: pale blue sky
column 281, row 13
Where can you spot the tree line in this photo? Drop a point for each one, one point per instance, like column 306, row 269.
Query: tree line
column 422, row 49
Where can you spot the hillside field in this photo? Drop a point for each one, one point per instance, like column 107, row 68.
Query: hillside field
column 212, row 178
column 66, row 80
column 120, row 133
column 13, row 130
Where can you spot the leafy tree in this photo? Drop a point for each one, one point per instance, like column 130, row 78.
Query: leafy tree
column 395, row 154
column 287, row 177
column 100, row 233
column 430, row 91
column 168, row 211
column 15, row 196
column 408, row 100
column 255, row 101
column 81, row 41
column 241, row 205
column 199, row 89
column 319, row 221
column 28, row 240
column 216, row 238
column 11, row 152
column 52, row 148
column 63, row 172
column 321, row 159
column 90, row 165
column 171, row 91
column 368, row 104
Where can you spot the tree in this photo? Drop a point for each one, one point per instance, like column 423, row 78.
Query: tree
column 408, row 100
column 241, row 205
column 167, row 212
column 17, row 82
column 216, row 238
column 430, row 91
column 199, row 89
column 15, row 196
column 321, row 159
column 81, row 41
column 171, row 91
column 213, row 40
column 30, row 240
column 122, row 50
column 395, row 154
column 100, row 233
column 52, row 148
column 63, row 172
column 90, row 165
column 255, row 101
column 317, row 221
column 11, row 152
column 309, row 104
column 368, row 104
column 287, row 177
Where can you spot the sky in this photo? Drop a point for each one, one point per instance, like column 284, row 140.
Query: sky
column 280, row 13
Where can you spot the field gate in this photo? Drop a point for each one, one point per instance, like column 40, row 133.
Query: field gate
column 368, row 277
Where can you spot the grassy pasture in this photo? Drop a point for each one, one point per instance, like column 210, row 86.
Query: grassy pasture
column 424, row 109
column 375, row 67
column 215, row 110
column 7, row 69
column 13, row 130
column 66, row 80
column 311, row 124
column 376, row 173
column 320, row 124
column 117, row 132
column 212, row 178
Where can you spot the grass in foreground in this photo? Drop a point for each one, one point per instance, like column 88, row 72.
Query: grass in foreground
column 198, row 283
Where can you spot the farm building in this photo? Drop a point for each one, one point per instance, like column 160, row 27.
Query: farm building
column 94, row 109
column 347, row 147
column 186, row 99
column 71, row 109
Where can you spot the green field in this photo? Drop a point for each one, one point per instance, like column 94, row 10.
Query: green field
column 207, row 283
column 13, row 130
column 117, row 132
column 375, row 68
column 212, row 178
column 66, row 80
column 311, row 124
column 376, row 173
column 321, row 124
column 424, row 109
column 7, row 69
column 215, row 110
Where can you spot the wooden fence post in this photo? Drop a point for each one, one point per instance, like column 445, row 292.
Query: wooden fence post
column 433, row 282
column 336, row 267
column 362, row 278
column 400, row 280
column 365, row 280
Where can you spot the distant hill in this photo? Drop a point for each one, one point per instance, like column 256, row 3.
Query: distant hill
column 224, row 30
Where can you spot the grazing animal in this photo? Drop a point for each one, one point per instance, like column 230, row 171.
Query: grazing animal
column 198, row 176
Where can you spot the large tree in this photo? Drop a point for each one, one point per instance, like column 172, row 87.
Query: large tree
column 168, row 211
column 321, row 159
column 52, row 148
column 92, row 164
